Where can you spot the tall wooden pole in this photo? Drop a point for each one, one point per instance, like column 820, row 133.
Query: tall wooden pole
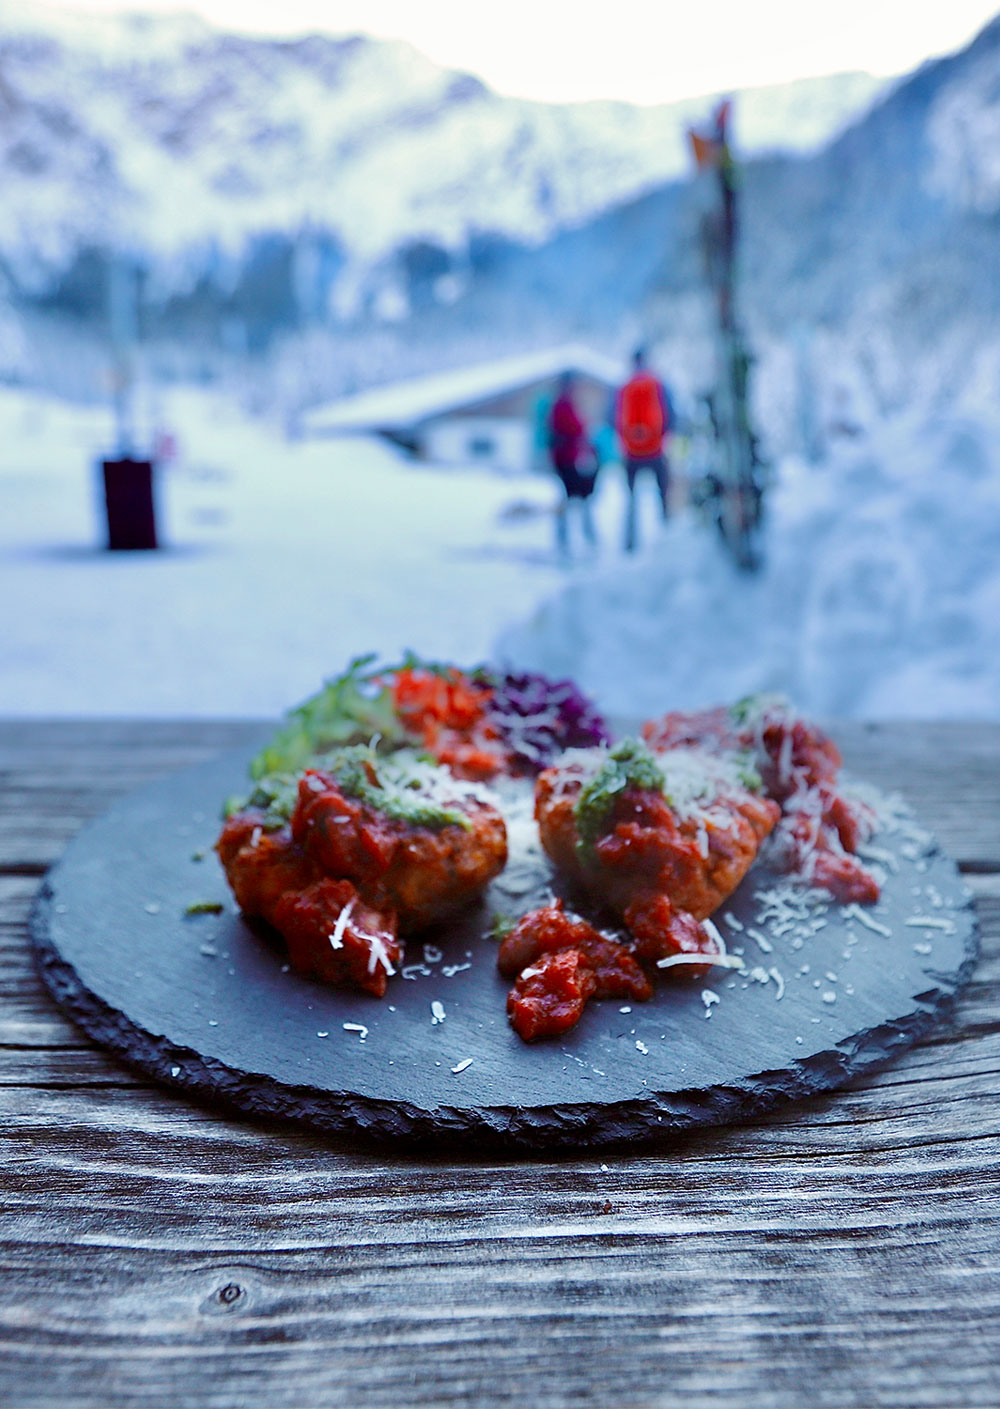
column 739, row 495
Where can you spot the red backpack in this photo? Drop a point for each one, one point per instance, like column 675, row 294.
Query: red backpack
column 641, row 422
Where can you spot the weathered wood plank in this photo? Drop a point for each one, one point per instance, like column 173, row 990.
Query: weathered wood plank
column 933, row 1121
column 598, row 1310
column 578, row 1354
column 55, row 775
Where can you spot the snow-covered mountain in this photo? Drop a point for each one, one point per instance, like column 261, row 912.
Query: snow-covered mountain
column 869, row 270
column 187, row 146
column 360, row 214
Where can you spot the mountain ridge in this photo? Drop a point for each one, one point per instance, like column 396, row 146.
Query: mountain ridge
column 183, row 145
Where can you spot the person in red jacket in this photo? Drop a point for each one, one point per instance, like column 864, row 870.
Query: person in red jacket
column 574, row 462
column 643, row 420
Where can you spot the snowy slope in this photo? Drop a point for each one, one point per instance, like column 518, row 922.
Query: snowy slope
column 964, row 134
column 281, row 561
column 879, row 598
column 165, row 136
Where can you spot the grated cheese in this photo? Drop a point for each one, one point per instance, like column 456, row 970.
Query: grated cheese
column 880, row 854
column 378, row 954
column 760, row 941
column 713, row 933
column 855, row 912
column 337, row 937
column 693, row 775
column 722, row 961
column 462, row 1065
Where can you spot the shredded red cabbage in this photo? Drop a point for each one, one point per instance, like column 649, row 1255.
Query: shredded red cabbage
column 537, row 718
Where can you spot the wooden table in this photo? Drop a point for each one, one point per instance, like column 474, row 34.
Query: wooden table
column 843, row 1252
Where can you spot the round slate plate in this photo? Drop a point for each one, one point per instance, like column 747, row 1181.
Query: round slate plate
column 205, row 1003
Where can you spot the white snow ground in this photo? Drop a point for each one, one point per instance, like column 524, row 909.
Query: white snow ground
column 284, row 559
column 881, row 595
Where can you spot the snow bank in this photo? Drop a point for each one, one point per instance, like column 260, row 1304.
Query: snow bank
column 880, row 597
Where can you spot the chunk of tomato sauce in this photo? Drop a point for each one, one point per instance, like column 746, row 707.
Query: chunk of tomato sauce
column 334, row 936
column 648, row 851
column 561, row 962
column 341, row 835
column 550, row 995
column 660, row 931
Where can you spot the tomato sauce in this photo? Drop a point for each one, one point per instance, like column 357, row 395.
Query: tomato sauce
column 562, row 962
column 820, row 828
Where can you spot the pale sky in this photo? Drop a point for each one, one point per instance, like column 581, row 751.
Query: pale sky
column 640, row 50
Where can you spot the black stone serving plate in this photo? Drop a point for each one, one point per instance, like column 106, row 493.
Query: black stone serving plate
column 205, row 1003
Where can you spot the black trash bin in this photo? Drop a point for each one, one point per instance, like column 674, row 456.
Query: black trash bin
column 131, row 511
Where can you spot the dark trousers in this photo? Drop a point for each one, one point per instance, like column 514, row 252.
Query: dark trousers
column 658, row 466
column 578, row 490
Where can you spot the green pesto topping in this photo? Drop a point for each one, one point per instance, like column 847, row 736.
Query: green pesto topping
column 629, row 764
column 746, row 772
column 751, row 708
column 401, row 786
column 744, row 709
column 502, row 927
column 274, row 793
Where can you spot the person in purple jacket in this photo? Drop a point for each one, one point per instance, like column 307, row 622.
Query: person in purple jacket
column 574, row 462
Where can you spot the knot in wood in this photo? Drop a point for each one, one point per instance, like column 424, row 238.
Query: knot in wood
column 230, row 1293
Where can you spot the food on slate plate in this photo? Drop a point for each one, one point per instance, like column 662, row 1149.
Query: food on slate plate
column 661, row 833
column 560, row 962
column 363, row 824
column 659, row 841
column 357, row 851
column 368, row 821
